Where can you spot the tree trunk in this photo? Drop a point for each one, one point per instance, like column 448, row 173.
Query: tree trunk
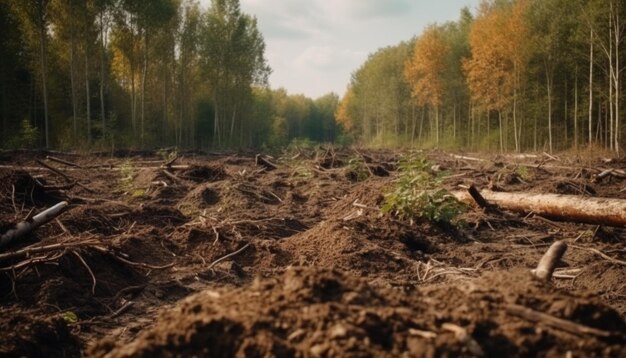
column 73, row 69
column 576, row 109
column 41, row 8
column 102, row 65
column 598, row 211
column 591, row 87
column 618, row 31
column 143, row 86
column 549, row 90
column 517, row 146
column 216, row 127
column 88, row 95
column 500, row 131
column 437, row 124
column 414, row 124
column 422, row 124
column 566, row 116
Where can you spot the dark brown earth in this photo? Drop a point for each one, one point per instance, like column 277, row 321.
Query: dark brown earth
column 139, row 266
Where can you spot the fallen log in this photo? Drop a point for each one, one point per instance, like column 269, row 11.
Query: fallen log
column 590, row 210
column 31, row 224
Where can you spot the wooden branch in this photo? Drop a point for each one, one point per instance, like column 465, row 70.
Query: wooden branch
column 227, row 256
column 55, row 170
column 132, row 263
column 591, row 210
column 93, row 277
column 548, row 261
column 601, row 254
column 27, row 226
column 173, row 177
column 170, row 162
column 47, row 248
column 480, row 201
column 554, row 322
column 259, row 160
column 58, row 160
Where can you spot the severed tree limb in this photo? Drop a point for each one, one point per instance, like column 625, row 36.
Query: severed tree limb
column 170, row 162
column 55, row 171
column 47, row 248
column 548, row 261
column 173, row 177
column 555, row 322
column 31, row 224
column 480, row 201
column 58, row 160
column 67, row 178
column 590, row 210
column 259, row 160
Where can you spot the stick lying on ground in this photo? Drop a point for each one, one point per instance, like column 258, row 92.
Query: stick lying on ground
column 559, row 323
column 600, row 211
column 25, row 227
column 548, row 262
column 259, row 160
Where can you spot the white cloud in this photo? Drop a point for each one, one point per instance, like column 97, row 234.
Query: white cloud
column 313, row 46
column 316, row 57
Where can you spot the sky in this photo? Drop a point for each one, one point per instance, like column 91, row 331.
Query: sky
column 313, row 46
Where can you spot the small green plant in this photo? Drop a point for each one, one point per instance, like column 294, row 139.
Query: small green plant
column 418, row 194
column 522, row 171
column 302, row 171
column 127, row 176
column 358, row 169
column 167, row 154
column 70, row 317
column 28, row 136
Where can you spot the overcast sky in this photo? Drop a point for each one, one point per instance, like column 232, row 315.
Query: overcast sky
column 313, row 46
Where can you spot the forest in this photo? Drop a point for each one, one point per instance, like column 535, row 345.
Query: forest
column 523, row 75
column 511, row 75
column 144, row 74
column 465, row 196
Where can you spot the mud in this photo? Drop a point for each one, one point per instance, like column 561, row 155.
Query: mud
column 231, row 258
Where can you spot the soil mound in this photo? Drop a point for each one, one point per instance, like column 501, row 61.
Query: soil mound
column 321, row 312
column 24, row 336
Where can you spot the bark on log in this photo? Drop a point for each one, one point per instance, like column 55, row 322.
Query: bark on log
column 590, row 210
column 25, row 227
column 549, row 260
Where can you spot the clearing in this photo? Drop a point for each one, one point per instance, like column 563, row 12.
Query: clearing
column 223, row 254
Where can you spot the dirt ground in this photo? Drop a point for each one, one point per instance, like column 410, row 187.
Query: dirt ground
column 227, row 254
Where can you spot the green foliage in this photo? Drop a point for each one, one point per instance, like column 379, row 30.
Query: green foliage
column 138, row 193
column 127, row 177
column 70, row 317
column 167, row 154
column 358, row 168
column 28, row 136
column 302, row 143
column 418, row 194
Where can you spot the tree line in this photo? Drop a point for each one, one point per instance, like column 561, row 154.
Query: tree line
column 135, row 73
column 515, row 75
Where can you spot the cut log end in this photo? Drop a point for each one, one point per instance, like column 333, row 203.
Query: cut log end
column 548, row 262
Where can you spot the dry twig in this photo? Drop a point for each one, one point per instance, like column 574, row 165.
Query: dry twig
column 227, row 256
column 93, row 277
column 601, row 254
column 555, row 322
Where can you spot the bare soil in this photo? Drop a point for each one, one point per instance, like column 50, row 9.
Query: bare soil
column 220, row 254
